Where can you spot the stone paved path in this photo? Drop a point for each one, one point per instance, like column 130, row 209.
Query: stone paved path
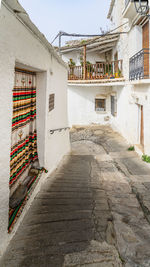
column 94, row 214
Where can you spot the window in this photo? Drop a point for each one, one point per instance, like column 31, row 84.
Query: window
column 113, row 105
column 51, row 102
column 100, row 104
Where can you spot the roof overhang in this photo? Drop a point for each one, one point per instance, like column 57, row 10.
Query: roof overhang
column 99, row 44
column 19, row 12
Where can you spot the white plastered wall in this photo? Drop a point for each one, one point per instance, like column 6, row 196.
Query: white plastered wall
column 128, row 113
column 92, row 57
column 81, row 105
column 18, row 44
column 125, row 121
column 135, row 40
column 129, row 99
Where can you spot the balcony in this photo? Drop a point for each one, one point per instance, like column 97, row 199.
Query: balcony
column 129, row 10
column 100, row 71
column 139, row 65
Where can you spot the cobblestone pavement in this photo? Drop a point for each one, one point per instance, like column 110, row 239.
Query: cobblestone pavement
column 96, row 213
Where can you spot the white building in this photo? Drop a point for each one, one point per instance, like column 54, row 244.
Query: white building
column 124, row 99
column 90, row 91
column 134, row 97
column 29, row 66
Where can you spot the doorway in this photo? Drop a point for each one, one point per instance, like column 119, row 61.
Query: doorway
column 24, row 137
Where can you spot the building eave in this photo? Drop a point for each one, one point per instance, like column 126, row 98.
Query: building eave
column 96, row 44
column 19, row 12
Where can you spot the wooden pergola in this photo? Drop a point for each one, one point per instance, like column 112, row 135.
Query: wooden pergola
column 100, row 44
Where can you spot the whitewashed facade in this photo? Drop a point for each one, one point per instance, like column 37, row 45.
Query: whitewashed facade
column 133, row 103
column 131, row 95
column 83, row 95
column 24, row 47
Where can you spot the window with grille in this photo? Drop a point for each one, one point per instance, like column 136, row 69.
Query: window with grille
column 100, row 104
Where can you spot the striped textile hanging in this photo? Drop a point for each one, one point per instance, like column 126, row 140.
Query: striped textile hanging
column 24, row 137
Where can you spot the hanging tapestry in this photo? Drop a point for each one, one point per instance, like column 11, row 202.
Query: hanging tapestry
column 24, row 137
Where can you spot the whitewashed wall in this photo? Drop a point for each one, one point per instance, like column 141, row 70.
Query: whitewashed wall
column 128, row 109
column 124, row 121
column 116, row 16
column 81, row 105
column 127, row 122
column 17, row 44
column 92, row 57
column 135, row 40
column 75, row 55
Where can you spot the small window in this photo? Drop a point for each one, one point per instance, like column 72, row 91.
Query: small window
column 100, row 104
column 113, row 106
column 51, row 102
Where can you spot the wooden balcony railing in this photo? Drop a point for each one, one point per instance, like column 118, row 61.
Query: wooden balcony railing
column 104, row 70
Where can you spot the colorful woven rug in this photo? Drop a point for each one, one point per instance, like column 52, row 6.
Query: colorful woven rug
column 24, row 136
column 16, row 212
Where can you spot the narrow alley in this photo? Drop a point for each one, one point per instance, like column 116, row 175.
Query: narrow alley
column 93, row 211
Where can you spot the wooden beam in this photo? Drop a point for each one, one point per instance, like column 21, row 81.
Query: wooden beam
column 84, row 62
column 104, row 50
column 92, row 43
column 101, row 47
column 102, row 42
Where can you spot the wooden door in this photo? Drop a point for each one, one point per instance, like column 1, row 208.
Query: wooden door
column 145, row 33
column 24, row 144
column 142, row 127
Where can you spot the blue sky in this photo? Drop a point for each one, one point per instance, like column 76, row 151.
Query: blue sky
column 72, row 16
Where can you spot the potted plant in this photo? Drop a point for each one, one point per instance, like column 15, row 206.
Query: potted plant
column 71, row 64
column 119, row 73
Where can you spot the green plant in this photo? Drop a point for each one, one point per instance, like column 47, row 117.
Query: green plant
column 131, row 148
column 83, row 41
column 87, row 62
column 146, row 158
column 108, row 69
column 119, row 73
column 71, row 62
column 89, row 65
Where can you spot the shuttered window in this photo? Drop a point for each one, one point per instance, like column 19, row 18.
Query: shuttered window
column 113, row 105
